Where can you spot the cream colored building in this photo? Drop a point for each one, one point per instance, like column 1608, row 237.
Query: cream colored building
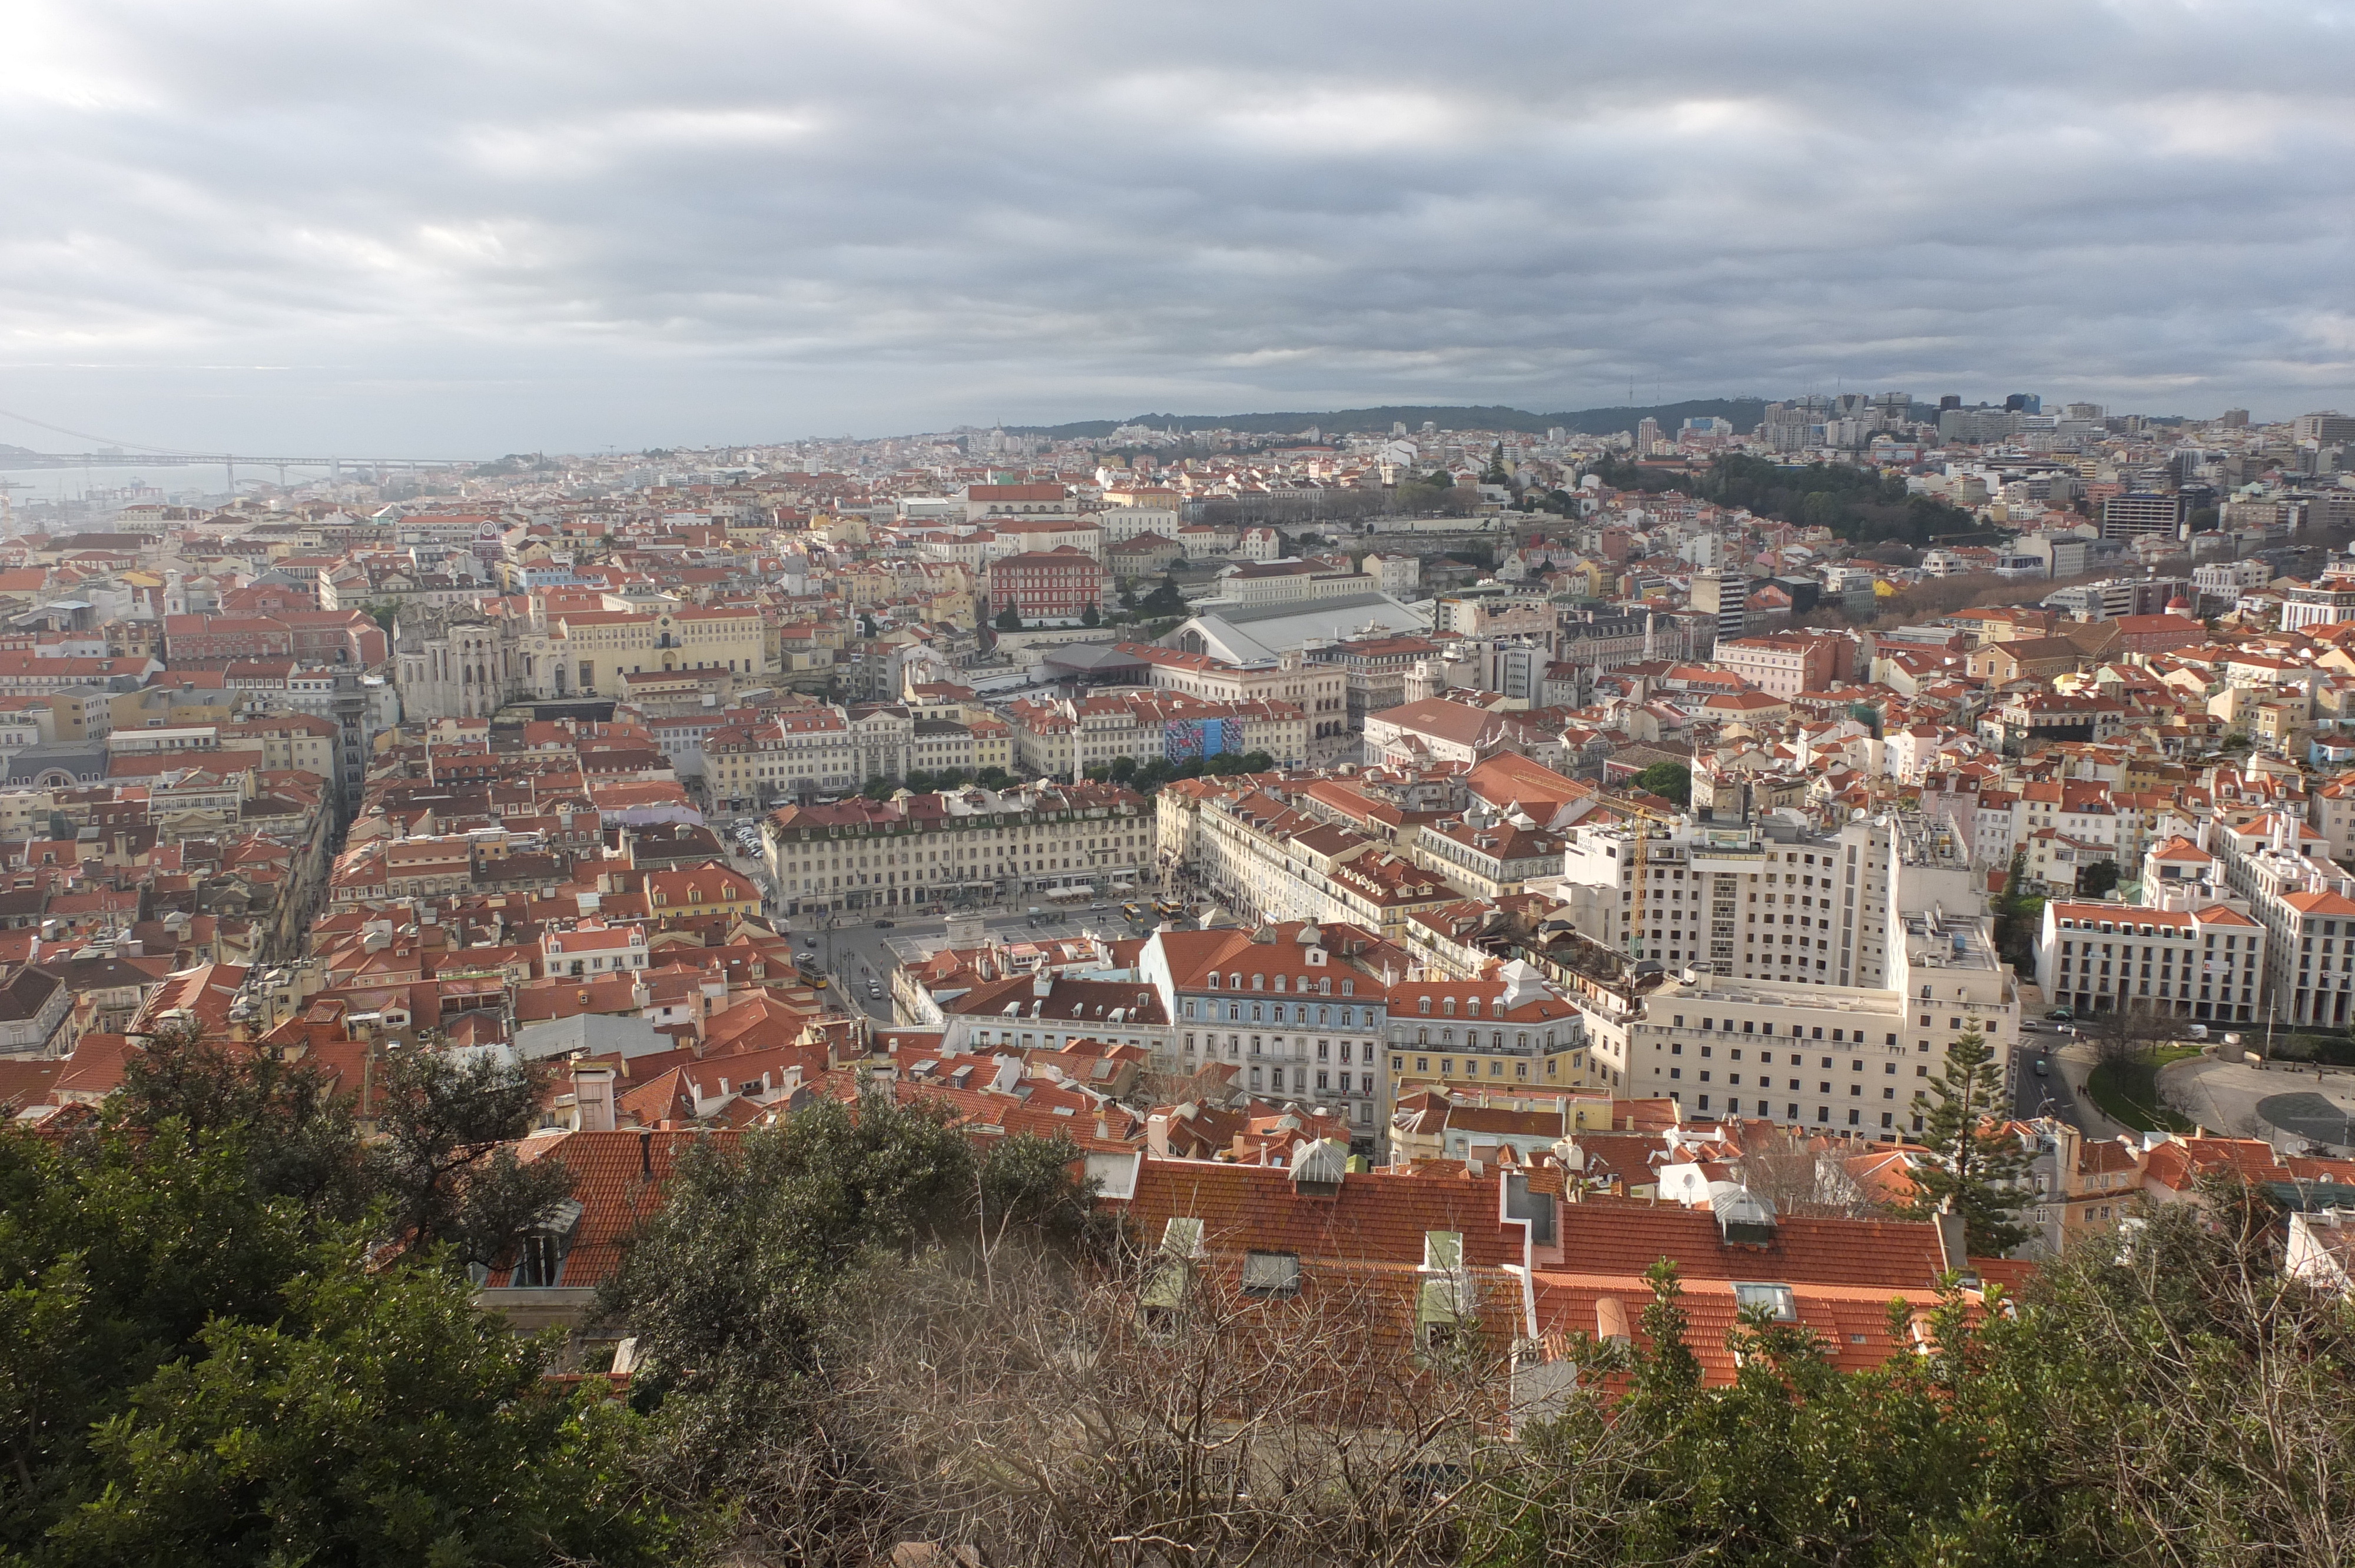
column 577, row 649
column 1053, row 738
column 1831, row 1059
column 985, row 844
column 1020, row 535
column 1320, row 691
column 1122, row 523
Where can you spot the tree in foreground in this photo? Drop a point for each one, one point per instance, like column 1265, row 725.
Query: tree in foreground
column 203, row 1360
column 1975, row 1168
column 379, row 1419
column 1934, row 1456
column 441, row 1172
column 761, row 1248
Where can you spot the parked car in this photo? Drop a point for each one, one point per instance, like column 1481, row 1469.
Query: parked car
column 2061, row 1015
column 809, row 941
column 884, row 925
column 2043, row 1068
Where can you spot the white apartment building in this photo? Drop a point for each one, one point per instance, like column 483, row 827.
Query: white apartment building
column 2204, row 963
column 1776, row 903
column 1122, row 523
column 1837, row 1059
column 2306, row 906
column 1023, row 535
column 2225, row 581
column 1397, row 573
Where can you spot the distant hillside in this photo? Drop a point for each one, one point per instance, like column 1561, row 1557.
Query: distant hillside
column 1742, row 413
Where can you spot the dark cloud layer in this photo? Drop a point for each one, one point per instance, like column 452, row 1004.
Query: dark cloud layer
column 463, row 227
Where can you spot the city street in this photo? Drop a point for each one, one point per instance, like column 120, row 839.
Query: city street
column 2051, row 1094
column 855, row 953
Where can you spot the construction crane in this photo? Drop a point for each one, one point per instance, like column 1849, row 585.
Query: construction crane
column 1643, row 837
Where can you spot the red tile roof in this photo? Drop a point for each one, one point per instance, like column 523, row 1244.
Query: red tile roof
column 1377, row 1216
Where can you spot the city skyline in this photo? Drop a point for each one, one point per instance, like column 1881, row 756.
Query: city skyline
column 400, row 231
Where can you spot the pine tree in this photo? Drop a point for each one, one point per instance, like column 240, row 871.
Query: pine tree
column 1975, row 1165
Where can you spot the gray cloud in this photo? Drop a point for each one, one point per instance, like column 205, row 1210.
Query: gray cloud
column 478, row 228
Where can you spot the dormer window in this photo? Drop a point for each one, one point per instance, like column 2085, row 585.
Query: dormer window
column 1271, row 1273
column 1164, row 1297
column 1426, row 1006
column 1443, row 1305
column 540, row 1250
column 1777, row 1299
column 1214, row 980
column 1447, row 1005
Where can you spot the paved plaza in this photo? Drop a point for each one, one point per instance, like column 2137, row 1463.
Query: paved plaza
column 2243, row 1101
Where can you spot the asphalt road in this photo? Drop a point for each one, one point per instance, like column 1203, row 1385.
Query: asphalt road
column 2051, row 1094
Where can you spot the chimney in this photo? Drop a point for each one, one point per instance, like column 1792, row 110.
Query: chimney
column 645, row 1154
column 1952, row 1256
column 592, row 1096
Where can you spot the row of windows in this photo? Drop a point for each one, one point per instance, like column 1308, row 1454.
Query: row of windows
column 1920, row 1070
column 1794, row 1030
column 1521, row 1039
column 1258, row 982
column 1350, row 1049
column 1791, row 1112
column 1324, row 1015
column 2230, row 942
column 1472, row 1067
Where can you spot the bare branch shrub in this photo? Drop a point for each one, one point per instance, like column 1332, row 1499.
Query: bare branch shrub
column 1046, row 1417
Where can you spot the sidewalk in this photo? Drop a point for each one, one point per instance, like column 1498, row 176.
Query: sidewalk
column 2075, row 1063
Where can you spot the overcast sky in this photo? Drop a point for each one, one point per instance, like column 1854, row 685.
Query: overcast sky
column 423, row 228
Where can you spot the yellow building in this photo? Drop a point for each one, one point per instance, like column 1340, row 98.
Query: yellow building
column 582, row 647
